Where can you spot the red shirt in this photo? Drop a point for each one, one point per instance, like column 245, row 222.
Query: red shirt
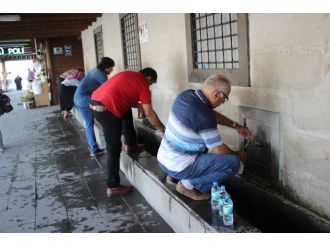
column 122, row 91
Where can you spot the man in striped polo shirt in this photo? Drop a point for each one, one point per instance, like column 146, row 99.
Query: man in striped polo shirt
column 191, row 131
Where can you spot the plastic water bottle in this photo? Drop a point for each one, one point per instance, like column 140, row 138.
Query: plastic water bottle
column 215, row 196
column 228, row 212
column 223, row 194
column 216, row 220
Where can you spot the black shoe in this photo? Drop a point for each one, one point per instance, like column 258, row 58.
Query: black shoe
column 172, row 181
column 97, row 152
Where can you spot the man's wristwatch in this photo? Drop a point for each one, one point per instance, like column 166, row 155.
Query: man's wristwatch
column 234, row 125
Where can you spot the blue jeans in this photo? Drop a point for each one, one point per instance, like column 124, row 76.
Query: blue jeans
column 207, row 169
column 89, row 127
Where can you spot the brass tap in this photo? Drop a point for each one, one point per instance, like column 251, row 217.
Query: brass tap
column 253, row 142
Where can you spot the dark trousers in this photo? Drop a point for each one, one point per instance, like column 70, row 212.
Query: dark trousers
column 112, row 128
column 66, row 97
column 18, row 85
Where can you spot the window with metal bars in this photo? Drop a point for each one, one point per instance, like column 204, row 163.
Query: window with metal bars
column 130, row 41
column 98, row 38
column 219, row 45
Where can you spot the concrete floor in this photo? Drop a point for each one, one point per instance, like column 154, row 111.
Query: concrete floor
column 49, row 183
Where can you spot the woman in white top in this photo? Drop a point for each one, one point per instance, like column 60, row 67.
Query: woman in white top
column 68, row 88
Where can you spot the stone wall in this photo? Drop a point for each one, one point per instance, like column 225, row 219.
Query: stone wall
column 290, row 74
column 88, row 43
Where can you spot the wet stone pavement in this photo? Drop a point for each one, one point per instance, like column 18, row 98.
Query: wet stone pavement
column 49, row 183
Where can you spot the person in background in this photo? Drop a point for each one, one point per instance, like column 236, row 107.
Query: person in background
column 82, row 97
column 191, row 131
column 67, row 90
column 5, row 82
column 111, row 106
column 18, row 82
column 67, row 73
column 2, row 147
column 30, row 76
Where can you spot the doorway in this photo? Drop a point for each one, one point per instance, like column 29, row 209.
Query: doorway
column 14, row 68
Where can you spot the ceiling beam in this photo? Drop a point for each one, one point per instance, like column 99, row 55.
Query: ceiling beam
column 51, row 34
column 38, row 24
column 46, row 25
column 56, row 17
column 46, row 28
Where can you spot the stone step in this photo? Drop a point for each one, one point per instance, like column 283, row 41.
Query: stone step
column 264, row 208
column 256, row 208
column 180, row 212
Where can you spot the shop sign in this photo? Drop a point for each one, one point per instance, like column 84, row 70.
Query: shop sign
column 11, row 50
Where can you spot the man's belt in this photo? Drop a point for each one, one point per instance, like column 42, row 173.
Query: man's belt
column 98, row 108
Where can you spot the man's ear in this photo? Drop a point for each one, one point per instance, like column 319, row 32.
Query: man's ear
column 216, row 94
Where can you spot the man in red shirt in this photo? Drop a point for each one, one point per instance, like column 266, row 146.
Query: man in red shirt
column 111, row 105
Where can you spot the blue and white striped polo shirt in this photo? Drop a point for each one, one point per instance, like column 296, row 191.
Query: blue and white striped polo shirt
column 191, row 128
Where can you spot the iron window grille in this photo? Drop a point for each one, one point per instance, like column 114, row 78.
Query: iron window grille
column 98, row 39
column 219, row 44
column 130, row 42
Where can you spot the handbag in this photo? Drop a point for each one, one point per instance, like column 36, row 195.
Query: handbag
column 5, row 104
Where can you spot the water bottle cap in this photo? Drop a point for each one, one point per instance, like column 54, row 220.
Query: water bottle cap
column 215, row 183
column 222, row 187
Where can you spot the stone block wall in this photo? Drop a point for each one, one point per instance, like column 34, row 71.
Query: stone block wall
column 288, row 54
column 289, row 74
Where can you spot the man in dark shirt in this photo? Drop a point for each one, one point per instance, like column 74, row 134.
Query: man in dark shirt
column 18, row 82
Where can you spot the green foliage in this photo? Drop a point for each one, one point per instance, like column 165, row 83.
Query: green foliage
column 29, row 96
